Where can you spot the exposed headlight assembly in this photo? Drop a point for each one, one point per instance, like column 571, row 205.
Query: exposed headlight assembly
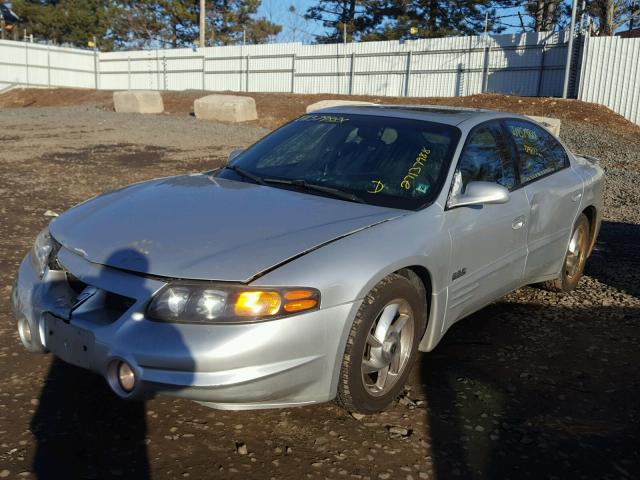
column 41, row 251
column 222, row 303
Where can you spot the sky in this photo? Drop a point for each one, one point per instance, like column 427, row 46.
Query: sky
column 294, row 27
column 297, row 29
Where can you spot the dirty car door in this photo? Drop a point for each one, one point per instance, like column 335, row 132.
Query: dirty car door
column 554, row 191
column 488, row 241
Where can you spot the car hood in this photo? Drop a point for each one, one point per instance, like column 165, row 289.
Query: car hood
column 200, row 227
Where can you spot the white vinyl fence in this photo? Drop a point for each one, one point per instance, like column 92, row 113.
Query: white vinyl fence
column 35, row 65
column 610, row 75
column 526, row 64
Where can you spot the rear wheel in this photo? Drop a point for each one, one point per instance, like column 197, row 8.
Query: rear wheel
column 575, row 258
column 382, row 345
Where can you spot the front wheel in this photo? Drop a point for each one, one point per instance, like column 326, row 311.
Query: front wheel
column 382, row 345
column 574, row 259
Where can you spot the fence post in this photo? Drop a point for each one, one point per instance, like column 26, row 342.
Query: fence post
column 246, row 83
column 583, row 67
column 164, row 70
column 567, row 68
column 49, row 66
column 157, row 70
column 26, row 58
column 204, row 70
column 293, row 73
column 541, row 75
column 128, row 72
column 407, row 75
column 96, row 65
column 485, row 67
column 351, row 73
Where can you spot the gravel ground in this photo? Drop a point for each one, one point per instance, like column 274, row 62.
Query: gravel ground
column 535, row 385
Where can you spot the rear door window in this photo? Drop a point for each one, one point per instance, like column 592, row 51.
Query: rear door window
column 539, row 153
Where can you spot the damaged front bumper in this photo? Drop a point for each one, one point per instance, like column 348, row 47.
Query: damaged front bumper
column 94, row 317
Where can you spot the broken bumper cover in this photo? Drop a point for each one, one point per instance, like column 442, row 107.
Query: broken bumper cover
column 283, row 362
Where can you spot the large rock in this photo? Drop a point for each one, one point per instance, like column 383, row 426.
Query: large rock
column 225, row 108
column 138, row 101
column 551, row 124
column 334, row 103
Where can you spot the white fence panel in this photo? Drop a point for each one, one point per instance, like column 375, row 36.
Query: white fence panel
column 38, row 65
column 609, row 75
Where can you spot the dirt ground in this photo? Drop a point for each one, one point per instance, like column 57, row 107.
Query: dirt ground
column 537, row 385
column 276, row 108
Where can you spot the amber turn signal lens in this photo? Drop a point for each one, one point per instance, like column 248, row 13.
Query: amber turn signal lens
column 298, row 294
column 300, row 305
column 257, row 304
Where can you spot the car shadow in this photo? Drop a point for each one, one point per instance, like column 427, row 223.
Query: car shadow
column 526, row 390
column 82, row 428
column 615, row 260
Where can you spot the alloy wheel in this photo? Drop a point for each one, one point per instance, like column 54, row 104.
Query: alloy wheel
column 388, row 347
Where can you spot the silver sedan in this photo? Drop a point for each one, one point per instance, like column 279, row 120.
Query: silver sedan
column 315, row 264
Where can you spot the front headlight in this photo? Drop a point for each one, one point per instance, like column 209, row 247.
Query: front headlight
column 42, row 248
column 221, row 303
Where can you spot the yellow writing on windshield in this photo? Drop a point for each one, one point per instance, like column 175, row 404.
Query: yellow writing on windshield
column 416, row 168
column 323, row 119
column 378, row 186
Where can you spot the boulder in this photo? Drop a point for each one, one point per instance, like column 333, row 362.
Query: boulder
column 225, row 108
column 138, row 101
column 551, row 124
column 335, row 103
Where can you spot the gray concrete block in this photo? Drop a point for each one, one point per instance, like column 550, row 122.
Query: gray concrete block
column 334, row 103
column 551, row 124
column 225, row 108
column 138, row 101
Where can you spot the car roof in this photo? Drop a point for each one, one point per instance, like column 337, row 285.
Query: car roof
column 431, row 113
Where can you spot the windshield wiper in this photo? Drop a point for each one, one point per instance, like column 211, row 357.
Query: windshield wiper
column 317, row 188
column 243, row 173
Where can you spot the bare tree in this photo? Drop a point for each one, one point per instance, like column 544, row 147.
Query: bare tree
column 545, row 14
column 610, row 15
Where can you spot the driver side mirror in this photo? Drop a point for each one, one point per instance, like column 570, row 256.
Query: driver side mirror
column 233, row 155
column 480, row 193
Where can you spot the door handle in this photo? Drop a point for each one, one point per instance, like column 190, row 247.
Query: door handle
column 576, row 196
column 517, row 223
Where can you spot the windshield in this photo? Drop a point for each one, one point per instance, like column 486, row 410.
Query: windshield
column 392, row 162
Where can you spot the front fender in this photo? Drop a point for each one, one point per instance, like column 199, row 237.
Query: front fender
column 346, row 270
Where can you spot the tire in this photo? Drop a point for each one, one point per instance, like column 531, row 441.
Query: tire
column 385, row 334
column 575, row 258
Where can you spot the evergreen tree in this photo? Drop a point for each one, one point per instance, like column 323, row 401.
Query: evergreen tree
column 403, row 19
column 230, row 21
column 154, row 23
column 174, row 23
column 357, row 17
column 66, row 22
column 129, row 24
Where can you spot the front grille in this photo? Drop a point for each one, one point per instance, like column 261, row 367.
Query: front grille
column 53, row 263
column 118, row 304
column 75, row 283
column 103, row 307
